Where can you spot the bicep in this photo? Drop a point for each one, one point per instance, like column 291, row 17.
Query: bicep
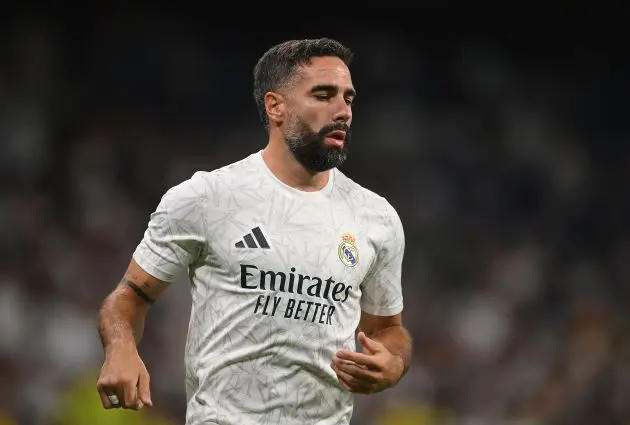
column 372, row 324
column 140, row 285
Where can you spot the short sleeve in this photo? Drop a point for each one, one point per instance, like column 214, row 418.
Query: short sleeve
column 175, row 236
column 382, row 291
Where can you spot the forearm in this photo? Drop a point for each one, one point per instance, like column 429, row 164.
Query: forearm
column 398, row 341
column 121, row 320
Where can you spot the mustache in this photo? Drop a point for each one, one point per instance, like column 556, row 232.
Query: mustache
column 339, row 126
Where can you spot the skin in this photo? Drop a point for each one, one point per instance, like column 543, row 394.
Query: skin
column 321, row 95
column 121, row 322
column 317, row 107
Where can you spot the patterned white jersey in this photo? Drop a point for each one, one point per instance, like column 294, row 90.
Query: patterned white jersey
column 279, row 278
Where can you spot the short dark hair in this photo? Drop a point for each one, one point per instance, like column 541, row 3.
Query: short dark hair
column 278, row 65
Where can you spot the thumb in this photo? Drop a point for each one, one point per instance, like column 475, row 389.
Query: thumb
column 370, row 345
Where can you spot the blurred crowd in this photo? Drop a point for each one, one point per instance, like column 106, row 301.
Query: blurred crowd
column 508, row 164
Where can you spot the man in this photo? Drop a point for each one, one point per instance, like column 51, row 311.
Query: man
column 287, row 257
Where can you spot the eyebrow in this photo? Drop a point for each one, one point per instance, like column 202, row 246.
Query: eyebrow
column 333, row 88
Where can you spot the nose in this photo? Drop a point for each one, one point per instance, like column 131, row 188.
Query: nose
column 343, row 112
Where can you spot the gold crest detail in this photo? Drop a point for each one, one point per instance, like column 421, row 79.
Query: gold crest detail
column 348, row 251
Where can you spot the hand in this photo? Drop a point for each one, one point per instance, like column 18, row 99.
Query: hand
column 124, row 375
column 373, row 370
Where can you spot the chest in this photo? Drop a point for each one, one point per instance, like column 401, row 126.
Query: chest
column 325, row 246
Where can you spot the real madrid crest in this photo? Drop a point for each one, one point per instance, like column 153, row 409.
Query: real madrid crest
column 348, row 252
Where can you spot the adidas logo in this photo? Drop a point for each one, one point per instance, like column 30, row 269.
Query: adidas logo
column 256, row 241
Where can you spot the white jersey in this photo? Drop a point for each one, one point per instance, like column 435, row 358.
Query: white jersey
column 279, row 279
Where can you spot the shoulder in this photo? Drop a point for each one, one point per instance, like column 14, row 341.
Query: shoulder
column 366, row 199
column 204, row 185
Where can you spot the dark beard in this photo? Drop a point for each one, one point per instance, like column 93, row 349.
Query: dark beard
column 310, row 149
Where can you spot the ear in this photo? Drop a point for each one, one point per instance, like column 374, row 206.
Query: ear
column 275, row 107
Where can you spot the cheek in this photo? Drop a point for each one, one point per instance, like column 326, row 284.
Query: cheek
column 316, row 112
column 315, row 119
column 307, row 119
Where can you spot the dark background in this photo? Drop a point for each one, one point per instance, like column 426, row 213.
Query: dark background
column 500, row 134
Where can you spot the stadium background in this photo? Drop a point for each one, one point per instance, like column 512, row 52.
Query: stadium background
column 501, row 138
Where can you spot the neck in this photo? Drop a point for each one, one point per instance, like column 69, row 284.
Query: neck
column 288, row 170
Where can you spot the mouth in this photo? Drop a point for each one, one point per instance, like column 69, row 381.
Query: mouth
column 336, row 137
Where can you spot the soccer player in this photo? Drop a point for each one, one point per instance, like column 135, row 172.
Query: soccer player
column 289, row 260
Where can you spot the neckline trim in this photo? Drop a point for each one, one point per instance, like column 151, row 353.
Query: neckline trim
column 323, row 192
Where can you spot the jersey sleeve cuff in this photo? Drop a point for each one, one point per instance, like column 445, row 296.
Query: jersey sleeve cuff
column 149, row 266
column 383, row 310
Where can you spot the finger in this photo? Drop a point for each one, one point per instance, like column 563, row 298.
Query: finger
column 356, row 371
column 360, row 359
column 144, row 391
column 100, row 388
column 354, row 384
column 119, row 392
column 130, row 395
column 342, row 382
column 105, row 401
column 114, row 399
column 369, row 344
column 336, row 360
column 105, row 391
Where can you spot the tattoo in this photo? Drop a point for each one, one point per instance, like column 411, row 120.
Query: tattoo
column 138, row 291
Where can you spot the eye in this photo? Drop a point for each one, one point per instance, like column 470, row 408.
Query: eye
column 349, row 101
column 321, row 96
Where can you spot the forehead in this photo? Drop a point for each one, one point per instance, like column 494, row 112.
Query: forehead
column 326, row 70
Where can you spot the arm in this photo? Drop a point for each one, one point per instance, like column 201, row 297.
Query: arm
column 386, row 354
column 385, row 358
column 122, row 314
column 120, row 326
column 389, row 331
column 173, row 241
